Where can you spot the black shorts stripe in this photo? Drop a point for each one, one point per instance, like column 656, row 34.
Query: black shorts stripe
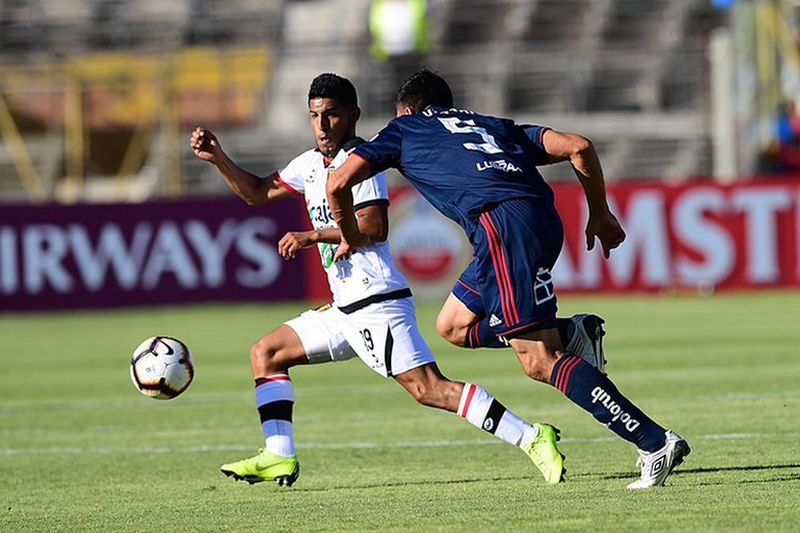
column 375, row 298
column 280, row 410
column 370, row 203
column 493, row 416
column 387, row 353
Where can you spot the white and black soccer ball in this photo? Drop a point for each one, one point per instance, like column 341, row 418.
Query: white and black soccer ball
column 162, row 367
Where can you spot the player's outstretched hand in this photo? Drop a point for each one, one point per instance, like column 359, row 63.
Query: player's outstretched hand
column 608, row 231
column 205, row 145
column 294, row 241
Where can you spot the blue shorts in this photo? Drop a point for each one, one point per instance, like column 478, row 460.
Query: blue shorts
column 509, row 278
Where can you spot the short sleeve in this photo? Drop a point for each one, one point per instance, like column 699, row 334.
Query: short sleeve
column 383, row 151
column 536, row 148
column 372, row 191
column 290, row 177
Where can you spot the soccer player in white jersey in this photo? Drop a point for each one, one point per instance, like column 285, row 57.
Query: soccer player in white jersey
column 372, row 316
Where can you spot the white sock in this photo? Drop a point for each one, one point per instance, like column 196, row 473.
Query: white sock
column 481, row 410
column 275, row 400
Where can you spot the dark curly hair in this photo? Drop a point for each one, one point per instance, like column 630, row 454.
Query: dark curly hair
column 422, row 89
column 330, row 85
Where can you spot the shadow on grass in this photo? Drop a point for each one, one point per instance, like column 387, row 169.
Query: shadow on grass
column 716, row 470
column 570, row 478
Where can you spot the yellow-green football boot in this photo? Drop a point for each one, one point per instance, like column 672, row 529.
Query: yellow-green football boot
column 265, row 466
column 545, row 455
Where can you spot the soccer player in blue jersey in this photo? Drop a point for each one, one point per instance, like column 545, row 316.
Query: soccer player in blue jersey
column 480, row 171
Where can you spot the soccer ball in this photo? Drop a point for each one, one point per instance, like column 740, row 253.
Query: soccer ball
column 162, row 367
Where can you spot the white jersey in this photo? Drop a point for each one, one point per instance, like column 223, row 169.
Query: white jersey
column 370, row 270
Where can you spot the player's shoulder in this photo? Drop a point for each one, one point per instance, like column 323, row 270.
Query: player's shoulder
column 351, row 144
column 309, row 157
column 303, row 162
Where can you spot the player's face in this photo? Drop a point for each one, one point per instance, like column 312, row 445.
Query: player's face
column 332, row 122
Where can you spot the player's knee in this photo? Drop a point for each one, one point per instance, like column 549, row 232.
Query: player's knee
column 537, row 371
column 263, row 353
column 539, row 366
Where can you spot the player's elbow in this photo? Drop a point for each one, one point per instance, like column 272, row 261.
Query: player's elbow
column 580, row 146
column 252, row 200
column 253, row 196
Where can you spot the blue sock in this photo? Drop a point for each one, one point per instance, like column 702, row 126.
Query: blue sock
column 480, row 335
column 593, row 391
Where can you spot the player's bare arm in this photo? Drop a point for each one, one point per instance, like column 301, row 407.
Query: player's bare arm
column 373, row 222
column 340, row 199
column 247, row 186
column 581, row 154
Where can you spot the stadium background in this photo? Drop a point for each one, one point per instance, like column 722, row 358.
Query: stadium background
column 691, row 104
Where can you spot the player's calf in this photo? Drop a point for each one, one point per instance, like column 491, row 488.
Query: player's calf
column 430, row 388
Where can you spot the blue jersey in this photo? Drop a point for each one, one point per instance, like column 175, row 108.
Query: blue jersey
column 462, row 162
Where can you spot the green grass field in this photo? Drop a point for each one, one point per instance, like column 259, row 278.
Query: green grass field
column 81, row 450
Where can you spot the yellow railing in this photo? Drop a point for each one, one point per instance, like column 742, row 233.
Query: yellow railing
column 145, row 93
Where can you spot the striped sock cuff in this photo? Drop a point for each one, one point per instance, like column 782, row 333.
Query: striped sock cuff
column 562, row 372
column 271, row 378
column 274, row 388
column 466, row 399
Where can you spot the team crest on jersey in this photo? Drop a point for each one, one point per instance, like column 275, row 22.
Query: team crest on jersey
column 543, row 286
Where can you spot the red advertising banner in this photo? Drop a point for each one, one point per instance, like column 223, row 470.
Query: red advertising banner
column 56, row 257
column 699, row 236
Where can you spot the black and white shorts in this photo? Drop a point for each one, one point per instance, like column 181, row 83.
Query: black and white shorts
column 384, row 335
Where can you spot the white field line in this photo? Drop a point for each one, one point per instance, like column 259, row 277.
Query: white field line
column 6, row 452
column 206, row 398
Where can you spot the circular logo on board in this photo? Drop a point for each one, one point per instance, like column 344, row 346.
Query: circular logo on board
column 427, row 248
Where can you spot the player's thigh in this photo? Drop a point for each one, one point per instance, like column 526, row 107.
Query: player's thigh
column 385, row 336
column 319, row 334
column 455, row 317
column 516, row 247
column 466, row 289
column 463, row 307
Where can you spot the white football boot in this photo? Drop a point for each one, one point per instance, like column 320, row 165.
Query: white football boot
column 585, row 339
column 657, row 465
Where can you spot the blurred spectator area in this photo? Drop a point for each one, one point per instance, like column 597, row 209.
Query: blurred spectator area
column 631, row 74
